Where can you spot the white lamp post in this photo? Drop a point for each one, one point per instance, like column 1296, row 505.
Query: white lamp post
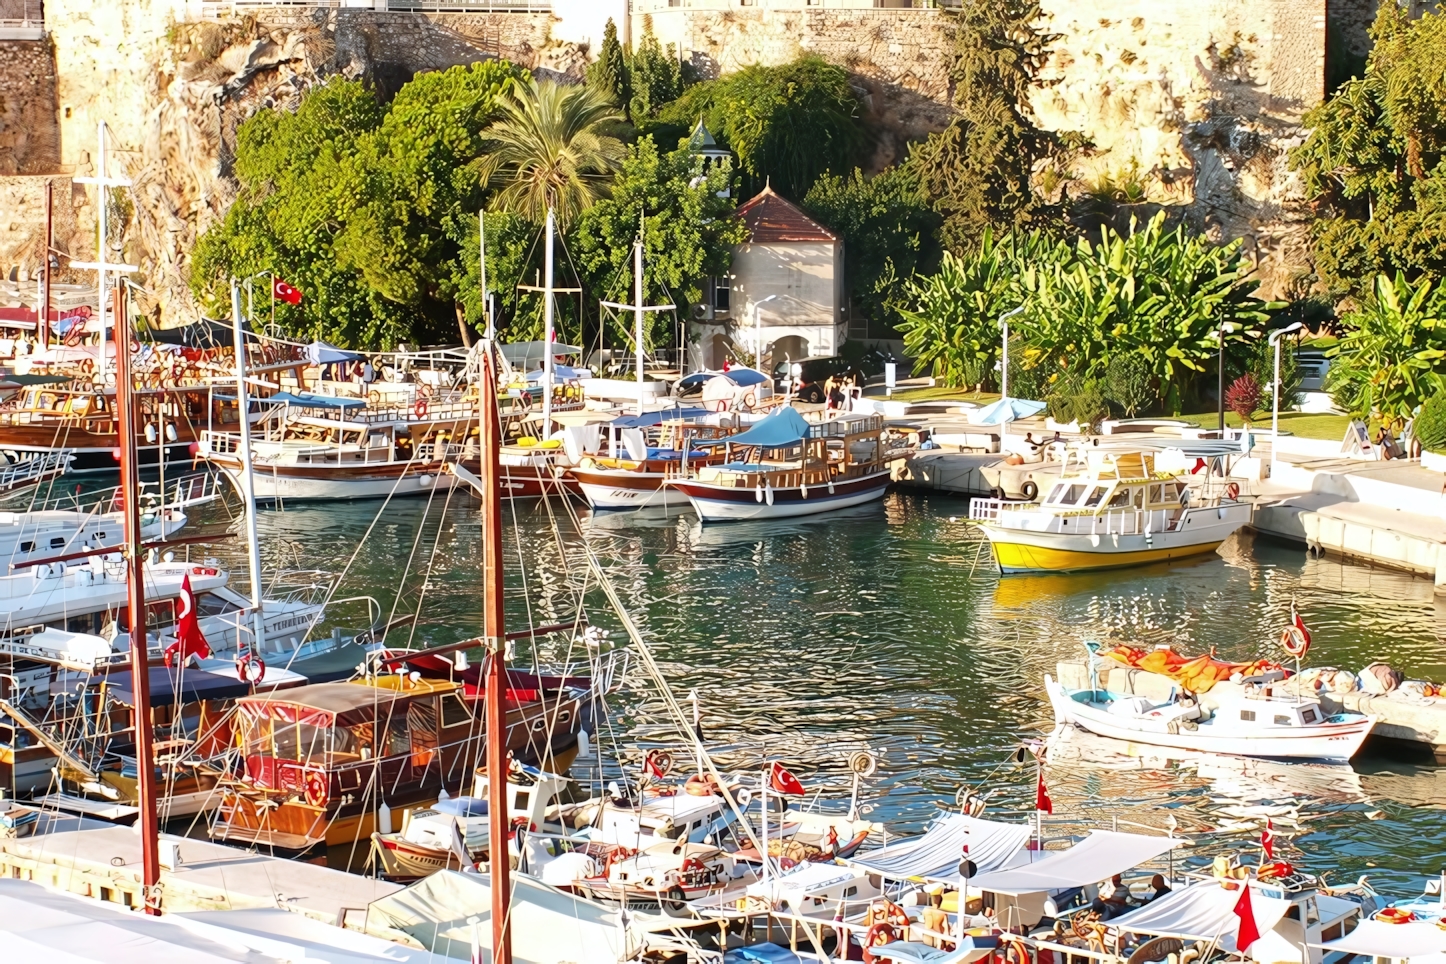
column 1004, row 362
column 758, row 331
column 1275, row 338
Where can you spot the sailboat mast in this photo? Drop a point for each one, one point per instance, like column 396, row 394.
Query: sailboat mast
column 136, row 604
column 494, row 633
column 248, row 480
column 638, row 302
column 547, row 332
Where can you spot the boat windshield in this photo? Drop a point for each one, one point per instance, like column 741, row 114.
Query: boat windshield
column 1066, row 494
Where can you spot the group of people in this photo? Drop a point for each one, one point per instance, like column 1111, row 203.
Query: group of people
column 1114, row 896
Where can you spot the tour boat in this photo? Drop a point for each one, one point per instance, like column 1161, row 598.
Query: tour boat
column 320, row 761
column 1120, row 510
column 631, row 467
column 796, row 468
column 1250, row 723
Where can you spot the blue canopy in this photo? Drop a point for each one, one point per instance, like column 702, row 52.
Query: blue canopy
column 779, row 429
column 1007, row 410
column 320, row 353
column 656, row 418
column 743, row 377
column 308, row 400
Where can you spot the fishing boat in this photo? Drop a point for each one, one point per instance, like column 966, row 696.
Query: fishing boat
column 787, row 466
column 1247, row 720
column 1115, row 509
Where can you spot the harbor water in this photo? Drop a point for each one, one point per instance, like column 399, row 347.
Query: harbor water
column 886, row 629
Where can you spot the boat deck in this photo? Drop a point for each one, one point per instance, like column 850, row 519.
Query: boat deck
column 105, row 862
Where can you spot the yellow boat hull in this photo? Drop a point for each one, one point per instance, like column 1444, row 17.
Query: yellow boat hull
column 1019, row 557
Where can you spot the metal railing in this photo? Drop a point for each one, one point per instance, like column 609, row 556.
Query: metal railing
column 988, row 510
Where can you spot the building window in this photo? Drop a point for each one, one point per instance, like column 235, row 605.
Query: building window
column 722, row 291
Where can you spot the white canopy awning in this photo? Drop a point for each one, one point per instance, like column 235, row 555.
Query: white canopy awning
column 1374, row 938
column 1099, row 856
column 936, row 853
column 37, row 924
column 292, row 936
column 1202, row 912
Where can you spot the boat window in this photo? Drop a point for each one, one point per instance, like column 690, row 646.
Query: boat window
column 398, row 741
column 1121, row 499
column 1140, row 497
column 1282, row 720
column 1309, row 715
column 210, row 604
column 522, row 800
column 1072, row 495
column 1155, row 494
column 300, row 741
column 1056, row 493
column 27, row 547
column 57, row 542
column 1097, row 492
column 454, row 711
column 850, row 891
column 1248, row 716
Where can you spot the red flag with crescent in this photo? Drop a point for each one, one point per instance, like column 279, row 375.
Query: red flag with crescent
column 1249, row 931
column 784, row 782
column 190, row 641
column 1042, row 802
column 285, row 292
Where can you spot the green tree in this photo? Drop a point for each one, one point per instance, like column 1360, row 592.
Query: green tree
column 688, row 235
column 549, row 149
column 655, row 78
column 788, row 124
column 1392, row 356
column 512, row 245
column 1375, row 159
column 293, row 172
column 977, row 171
column 608, row 75
column 888, row 230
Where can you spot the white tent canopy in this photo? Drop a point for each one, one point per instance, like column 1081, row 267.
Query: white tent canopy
column 37, row 924
column 1202, row 912
column 1099, row 856
column 937, row 853
column 295, row 937
column 1374, row 938
column 320, row 353
column 547, row 924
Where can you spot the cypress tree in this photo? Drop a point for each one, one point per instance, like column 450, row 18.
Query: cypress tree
column 609, row 74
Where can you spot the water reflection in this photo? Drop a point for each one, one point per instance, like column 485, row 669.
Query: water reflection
column 885, row 628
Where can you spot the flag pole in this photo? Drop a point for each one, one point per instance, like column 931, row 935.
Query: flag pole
column 248, row 478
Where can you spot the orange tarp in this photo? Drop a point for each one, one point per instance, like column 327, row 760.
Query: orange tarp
column 1197, row 675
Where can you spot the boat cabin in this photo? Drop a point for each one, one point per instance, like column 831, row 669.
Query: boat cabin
column 786, row 451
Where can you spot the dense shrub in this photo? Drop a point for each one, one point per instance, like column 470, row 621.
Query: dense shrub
column 1429, row 427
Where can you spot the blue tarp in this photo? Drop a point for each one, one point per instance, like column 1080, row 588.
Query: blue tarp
column 320, row 353
column 780, row 429
column 654, row 418
column 1006, row 410
column 308, row 400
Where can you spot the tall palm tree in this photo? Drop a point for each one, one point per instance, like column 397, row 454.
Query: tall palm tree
column 547, row 149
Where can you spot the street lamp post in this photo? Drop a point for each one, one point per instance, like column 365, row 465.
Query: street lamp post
column 1004, row 363
column 758, row 331
column 1225, row 328
column 1275, row 338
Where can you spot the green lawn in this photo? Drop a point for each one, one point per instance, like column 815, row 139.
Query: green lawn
column 1330, row 427
column 941, row 393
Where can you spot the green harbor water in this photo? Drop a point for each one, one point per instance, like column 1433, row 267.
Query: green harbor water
column 886, row 628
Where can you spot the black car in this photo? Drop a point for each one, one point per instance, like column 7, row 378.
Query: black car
column 808, row 386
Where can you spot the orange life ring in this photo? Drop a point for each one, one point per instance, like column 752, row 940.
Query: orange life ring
column 420, row 409
column 315, row 789
column 878, row 935
column 1294, row 641
column 1395, row 915
column 1232, row 491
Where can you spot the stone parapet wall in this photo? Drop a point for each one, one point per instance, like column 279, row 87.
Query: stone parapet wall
column 29, row 131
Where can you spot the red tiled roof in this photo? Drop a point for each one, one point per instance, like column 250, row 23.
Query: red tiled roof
column 773, row 218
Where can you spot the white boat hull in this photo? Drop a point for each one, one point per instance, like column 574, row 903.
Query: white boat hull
column 274, row 487
column 1328, row 742
column 602, row 496
column 715, row 503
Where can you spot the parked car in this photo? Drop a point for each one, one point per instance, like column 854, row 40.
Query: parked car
column 813, row 372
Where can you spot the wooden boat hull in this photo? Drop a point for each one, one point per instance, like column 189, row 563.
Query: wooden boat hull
column 718, row 503
column 1328, row 742
column 1201, row 531
column 286, row 483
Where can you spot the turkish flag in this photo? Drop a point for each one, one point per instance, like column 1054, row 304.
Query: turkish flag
column 1042, row 802
column 1248, row 933
column 1267, row 841
column 784, row 782
column 284, row 292
column 190, row 641
column 1299, row 623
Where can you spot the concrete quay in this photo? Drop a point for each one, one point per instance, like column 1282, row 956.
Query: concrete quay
column 104, row 862
column 1401, row 720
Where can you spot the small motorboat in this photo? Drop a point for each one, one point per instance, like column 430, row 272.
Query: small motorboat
column 1248, row 720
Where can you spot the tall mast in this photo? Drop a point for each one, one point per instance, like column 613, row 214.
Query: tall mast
column 547, row 332
column 637, row 307
column 42, row 329
column 136, row 603
column 487, row 331
column 248, row 479
column 496, row 641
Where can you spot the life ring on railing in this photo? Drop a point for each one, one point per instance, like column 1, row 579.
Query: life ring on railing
column 748, row 401
column 1232, row 491
column 420, row 409
column 314, row 786
column 1395, row 915
column 250, row 668
column 72, row 336
column 878, row 935
column 1294, row 641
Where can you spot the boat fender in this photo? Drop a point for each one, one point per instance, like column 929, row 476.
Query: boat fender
column 758, row 493
column 584, row 747
column 1232, row 491
column 1029, row 490
column 830, row 486
column 768, row 493
column 803, row 491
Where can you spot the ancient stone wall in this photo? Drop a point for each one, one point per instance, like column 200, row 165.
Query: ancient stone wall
column 29, row 133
